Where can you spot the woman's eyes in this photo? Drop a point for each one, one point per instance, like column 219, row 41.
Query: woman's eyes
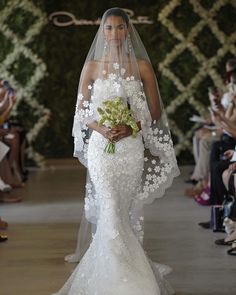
column 119, row 28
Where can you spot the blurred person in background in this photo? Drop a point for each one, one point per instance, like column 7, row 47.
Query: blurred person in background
column 208, row 135
column 15, row 137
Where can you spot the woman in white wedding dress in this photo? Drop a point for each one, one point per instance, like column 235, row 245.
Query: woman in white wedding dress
column 120, row 184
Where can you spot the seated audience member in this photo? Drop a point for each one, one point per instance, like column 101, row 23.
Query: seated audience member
column 8, row 146
column 15, row 137
column 5, row 175
column 207, row 137
column 4, row 187
column 218, row 160
column 222, row 155
column 229, row 180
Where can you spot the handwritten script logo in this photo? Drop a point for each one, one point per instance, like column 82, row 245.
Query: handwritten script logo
column 72, row 20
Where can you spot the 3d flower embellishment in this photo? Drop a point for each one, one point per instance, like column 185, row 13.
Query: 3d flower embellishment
column 157, row 169
column 116, row 86
column 85, row 103
column 112, row 76
column 116, row 66
column 80, row 96
column 122, row 71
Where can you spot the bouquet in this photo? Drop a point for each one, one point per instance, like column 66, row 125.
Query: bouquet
column 115, row 113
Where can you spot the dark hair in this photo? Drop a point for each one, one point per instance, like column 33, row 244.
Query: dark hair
column 231, row 63
column 117, row 12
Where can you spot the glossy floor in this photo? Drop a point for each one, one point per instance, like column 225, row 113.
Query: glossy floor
column 43, row 229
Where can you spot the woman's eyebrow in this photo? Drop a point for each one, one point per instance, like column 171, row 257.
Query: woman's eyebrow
column 108, row 25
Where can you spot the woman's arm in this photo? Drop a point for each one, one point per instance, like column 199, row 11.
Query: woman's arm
column 3, row 102
column 87, row 77
column 150, row 87
column 230, row 110
column 103, row 130
column 230, row 129
column 6, row 112
column 228, row 122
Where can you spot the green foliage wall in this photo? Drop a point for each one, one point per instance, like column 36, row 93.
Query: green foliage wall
column 64, row 51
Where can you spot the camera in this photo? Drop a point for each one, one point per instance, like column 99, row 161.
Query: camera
column 10, row 91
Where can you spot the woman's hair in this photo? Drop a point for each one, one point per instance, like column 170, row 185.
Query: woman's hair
column 232, row 63
column 117, row 12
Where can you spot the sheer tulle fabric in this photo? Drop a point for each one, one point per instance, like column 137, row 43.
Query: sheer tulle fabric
column 117, row 74
column 119, row 185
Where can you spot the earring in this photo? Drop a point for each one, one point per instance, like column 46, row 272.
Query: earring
column 105, row 45
column 129, row 43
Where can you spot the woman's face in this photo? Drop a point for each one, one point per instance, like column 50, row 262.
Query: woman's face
column 115, row 30
column 229, row 69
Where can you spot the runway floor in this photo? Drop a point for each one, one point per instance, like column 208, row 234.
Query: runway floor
column 43, row 229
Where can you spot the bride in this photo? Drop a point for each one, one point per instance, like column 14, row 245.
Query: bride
column 119, row 184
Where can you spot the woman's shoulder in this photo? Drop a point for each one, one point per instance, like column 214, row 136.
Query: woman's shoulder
column 91, row 64
column 94, row 62
column 145, row 66
column 90, row 69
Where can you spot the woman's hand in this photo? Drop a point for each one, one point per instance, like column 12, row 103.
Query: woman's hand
column 14, row 98
column 232, row 167
column 120, row 131
column 106, row 132
column 229, row 154
column 218, row 117
column 114, row 134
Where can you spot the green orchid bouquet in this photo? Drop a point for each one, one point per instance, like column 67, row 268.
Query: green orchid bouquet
column 115, row 113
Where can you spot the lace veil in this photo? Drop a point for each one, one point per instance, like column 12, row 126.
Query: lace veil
column 118, row 64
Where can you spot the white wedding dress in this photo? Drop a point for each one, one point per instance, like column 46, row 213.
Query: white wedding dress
column 115, row 262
